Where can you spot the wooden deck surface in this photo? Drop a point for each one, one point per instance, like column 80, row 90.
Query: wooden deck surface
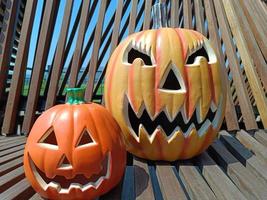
column 234, row 167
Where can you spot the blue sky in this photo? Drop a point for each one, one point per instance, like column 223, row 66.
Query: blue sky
column 36, row 25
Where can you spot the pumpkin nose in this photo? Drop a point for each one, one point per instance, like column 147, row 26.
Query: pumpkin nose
column 64, row 163
column 172, row 80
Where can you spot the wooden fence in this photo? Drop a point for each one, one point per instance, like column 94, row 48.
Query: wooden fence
column 236, row 28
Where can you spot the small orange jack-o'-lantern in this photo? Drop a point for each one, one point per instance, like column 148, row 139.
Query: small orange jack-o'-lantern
column 165, row 89
column 74, row 151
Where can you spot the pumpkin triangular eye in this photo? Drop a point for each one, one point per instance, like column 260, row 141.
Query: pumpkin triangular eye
column 49, row 138
column 85, row 139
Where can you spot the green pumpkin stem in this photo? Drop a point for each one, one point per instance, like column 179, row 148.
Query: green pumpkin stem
column 160, row 17
column 75, row 95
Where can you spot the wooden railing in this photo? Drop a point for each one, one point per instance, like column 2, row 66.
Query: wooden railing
column 237, row 30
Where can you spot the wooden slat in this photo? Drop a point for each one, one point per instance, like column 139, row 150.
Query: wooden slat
column 36, row 196
column 8, row 35
column 199, row 11
column 39, row 63
column 19, row 70
column 142, row 181
column 94, row 56
column 194, row 183
column 246, row 108
column 230, row 115
column 251, row 143
column 220, row 184
column 174, row 13
column 10, row 144
column 245, row 180
column 261, row 137
column 128, row 191
column 187, row 9
column 11, row 156
column 244, row 51
column 132, row 22
column 147, row 18
column 11, row 165
column 257, row 26
column 59, row 56
column 11, row 150
column 254, row 51
column 15, row 190
column 11, row 178
column 169, row 184
column 256, row 166
column 76, row 62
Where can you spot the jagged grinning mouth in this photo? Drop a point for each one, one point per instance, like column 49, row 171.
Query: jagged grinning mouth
column 169, row 126
column 81, row 182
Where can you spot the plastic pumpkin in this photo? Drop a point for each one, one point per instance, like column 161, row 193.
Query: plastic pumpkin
column 165, row 89
column 74, row 151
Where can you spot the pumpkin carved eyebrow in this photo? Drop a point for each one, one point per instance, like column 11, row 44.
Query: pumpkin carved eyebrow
column 133, row 54
column 84, row 139
column 200, row 52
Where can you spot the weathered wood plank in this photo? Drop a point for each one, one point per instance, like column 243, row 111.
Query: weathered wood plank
column 15, row 190
column 253, row 49
column 147, row 18
column 199, row 12
column 59, row 56
column 94, row 56
column 261, row 137
column 194, row 183
column 36, row 196
column 11, row 144
column 252, row 144
column 11, row 178
column 11, row 156
column 132, row 22
column 244, row 179
column 174, row 13
column 142, row 181
column 257, row 26
column 256, row 166
column 19, row 70
column 230, row 115
column 39, row 63
column 169, row 184
column 243, row 98
column 219, row 182
column 187, row 9
column 76, row 61
column 8, row 36
column 11, row 165
column 11, row 150
column 247, row 60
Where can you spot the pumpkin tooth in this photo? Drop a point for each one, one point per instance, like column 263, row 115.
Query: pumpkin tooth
column 187, row 133
column 213, row 106
column 183, row 112
column 141, row 110
column 158, row 130
column 54, row 185
column 198, row 113
column 204, row 127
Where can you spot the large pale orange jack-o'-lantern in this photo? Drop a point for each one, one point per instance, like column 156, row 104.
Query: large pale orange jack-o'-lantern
column 74, row 151
column 165, row 89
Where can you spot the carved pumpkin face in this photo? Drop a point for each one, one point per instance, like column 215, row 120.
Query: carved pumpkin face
column 74, row 152
column 165, row 89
